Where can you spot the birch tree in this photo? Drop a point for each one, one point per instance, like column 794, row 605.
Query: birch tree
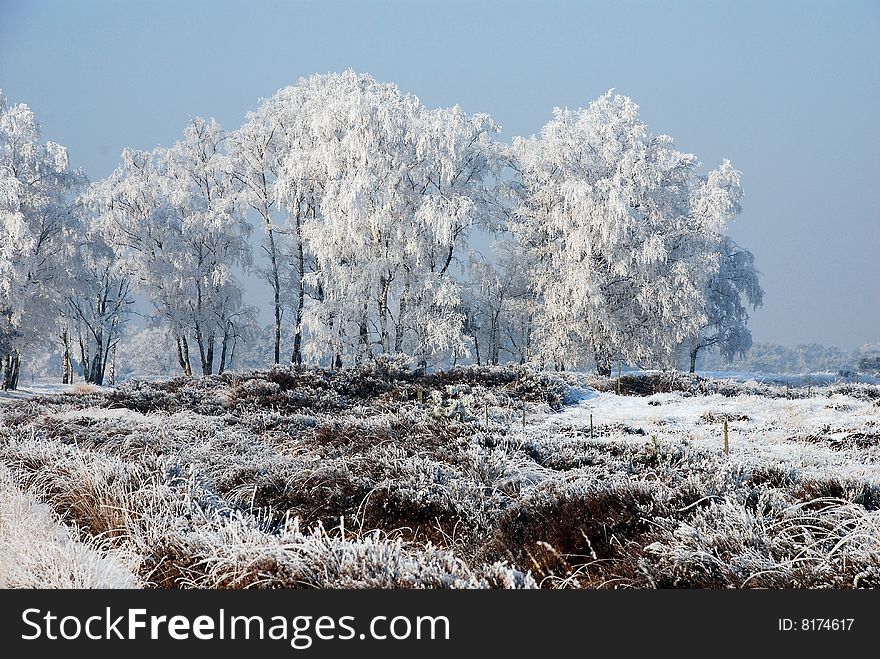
column 97, row 301
column 255, row 150
column 500, row 305
column 37, row 187
column 171, row 215
column 623, row 229
column 392, row 191
column 729, row 292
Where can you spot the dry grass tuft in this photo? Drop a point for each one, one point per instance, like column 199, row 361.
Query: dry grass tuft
column 84, row 388
column 37, row 551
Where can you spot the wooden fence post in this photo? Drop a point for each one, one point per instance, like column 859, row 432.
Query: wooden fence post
column 618, row 378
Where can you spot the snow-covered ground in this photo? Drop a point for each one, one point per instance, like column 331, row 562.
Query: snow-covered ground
column 805, row 433
column 48, row 388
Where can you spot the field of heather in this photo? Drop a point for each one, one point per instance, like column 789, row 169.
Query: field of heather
column 495, row 477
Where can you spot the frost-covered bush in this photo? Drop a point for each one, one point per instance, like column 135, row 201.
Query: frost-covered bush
column 389, row 367
column 768, row 543
column 454, row 406
column 858, row 391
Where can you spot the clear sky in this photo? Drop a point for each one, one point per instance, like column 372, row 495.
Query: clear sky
column 789, row 91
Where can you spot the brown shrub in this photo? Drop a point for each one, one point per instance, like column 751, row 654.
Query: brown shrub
column 553, row 531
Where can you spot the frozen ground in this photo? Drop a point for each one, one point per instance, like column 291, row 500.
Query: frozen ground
column 43, row 388
column 474, row 478
column 813, row 434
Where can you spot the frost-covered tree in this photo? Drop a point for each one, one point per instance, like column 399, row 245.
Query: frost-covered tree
column 609, row 240
column 215, row 235
column 391, row 190
column 37, row 188
column 290, row 118
column 500, row 305
column 452, row 188
column 171, row 215
column 622, row 227
column 138, row 220
column 867, row 357
column 253, row 166
column 256, row 151
column 97, row 300
column 143, row 353
column 728, row 293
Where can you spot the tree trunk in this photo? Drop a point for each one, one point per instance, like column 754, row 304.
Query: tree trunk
column 200, row 342
column 11, row 366
column 112, row 368
column 66, row 374
column 694, row 360
column 96, row 369
column 180, row 359
column 183, row 356
column 273, row 259
column 496, row 335
column 524, row 355
column 222, row 366
column 365, row 341
column 208, row 369
column 401, row 316
column 365, row 336
column 296, row 357
column 84, row 358
column 111, row 344
column 206, row 351
column 382, row 303
column 448, row 260
column 383, row 326
column 16, row 369
column 335, row 356
column 276, row 286
column 96, row 373
column 7, row 373
column 230, row 359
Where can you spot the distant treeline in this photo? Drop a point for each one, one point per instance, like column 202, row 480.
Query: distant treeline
column 801, row 358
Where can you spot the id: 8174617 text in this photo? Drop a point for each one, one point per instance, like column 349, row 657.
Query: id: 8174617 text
column 816, row 624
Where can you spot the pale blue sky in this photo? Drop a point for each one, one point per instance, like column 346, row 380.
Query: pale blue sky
column 789, row 91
